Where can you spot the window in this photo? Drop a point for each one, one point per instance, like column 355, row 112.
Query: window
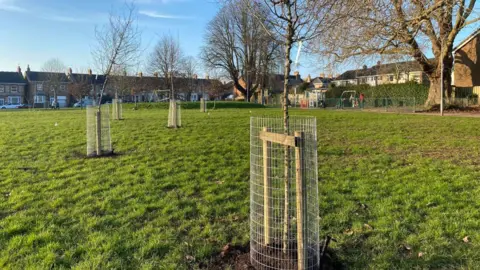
column 39, row 87
column 39, row 99
column 62, row 87
column 390, row 78
column 14, row 100
column 14, row 88
column 2, row 88
column 7, row 88
column 2, row 101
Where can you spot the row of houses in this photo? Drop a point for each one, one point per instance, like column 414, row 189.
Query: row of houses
column 38, row 88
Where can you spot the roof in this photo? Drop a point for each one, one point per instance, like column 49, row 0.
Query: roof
column 45, row 76
column 467, row 40
column 380, row 70
column 11, row 77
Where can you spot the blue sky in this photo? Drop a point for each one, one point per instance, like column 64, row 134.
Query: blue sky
column 33, row 31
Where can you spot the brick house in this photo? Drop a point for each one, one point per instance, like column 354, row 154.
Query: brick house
column 392, row 73
column 40, row 88
column 12, row 87
column 466, row 68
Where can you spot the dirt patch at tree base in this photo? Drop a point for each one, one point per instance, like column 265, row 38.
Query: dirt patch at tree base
column 238, row 258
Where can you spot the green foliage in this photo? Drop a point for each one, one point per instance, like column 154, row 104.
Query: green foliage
column 410, row 89
column 176, row 194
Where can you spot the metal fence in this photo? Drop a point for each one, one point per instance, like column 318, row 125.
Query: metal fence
column 284, row 221
column 406, row 104
column 92, row 129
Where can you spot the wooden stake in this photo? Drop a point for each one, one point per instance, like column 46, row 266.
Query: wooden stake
column 299, row 164
column 267, row 193
column 98, row 128
column 117, row 103
column 174, row 113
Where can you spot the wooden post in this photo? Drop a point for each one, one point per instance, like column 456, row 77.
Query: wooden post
column 300, row 200
column 117, row 103
column 98, row 128
column 174, row 113
column 267, row 192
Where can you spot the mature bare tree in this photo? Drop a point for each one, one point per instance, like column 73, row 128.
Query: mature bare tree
column 167, row 59
column 189, row 71
column 236, row 41
column 409, row 27
column 118, row 44
column 80, row 85
column 55, row 73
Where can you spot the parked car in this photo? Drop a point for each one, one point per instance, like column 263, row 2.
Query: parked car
column 10, row 106
column 24, row 106
column 78, row 105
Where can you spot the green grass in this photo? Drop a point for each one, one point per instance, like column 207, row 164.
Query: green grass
column 177, row 193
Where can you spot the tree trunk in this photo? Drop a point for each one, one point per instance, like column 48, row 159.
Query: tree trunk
column 434, row 93
column 288, row 48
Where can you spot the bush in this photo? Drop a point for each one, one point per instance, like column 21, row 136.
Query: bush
column 195, row 105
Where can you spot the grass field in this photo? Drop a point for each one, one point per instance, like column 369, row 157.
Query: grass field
column 396, row 191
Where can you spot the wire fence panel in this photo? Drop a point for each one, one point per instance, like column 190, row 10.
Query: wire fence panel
column 174, row 115
column 284, row 217
column 105, row 136
column 117, row 109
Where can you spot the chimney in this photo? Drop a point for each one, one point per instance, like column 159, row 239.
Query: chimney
column 322, row 75
column 90, row 72
column 155, row 74
column 309, row 79
column 207, row 77
column 69, row 71
column 195, row 76
column 28, row 68
column 140, row 74
column 124, row 73
column 297, row 75
column 379, row 63
column 330, row 76
column 364, row 66
column 19, row 69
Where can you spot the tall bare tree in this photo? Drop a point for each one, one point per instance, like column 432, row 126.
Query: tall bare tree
column 118, row 43
column 167, row 59
column 189, row 72
column 409, row 27
column 235, row 40
column 55, row 73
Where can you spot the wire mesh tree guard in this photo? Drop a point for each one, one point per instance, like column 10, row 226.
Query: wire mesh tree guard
column 117, row 109
column 98, row 131
column 174, row 115
column 284, row 199
column 203, row 105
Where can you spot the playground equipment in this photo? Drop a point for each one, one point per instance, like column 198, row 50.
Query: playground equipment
column 348, row 99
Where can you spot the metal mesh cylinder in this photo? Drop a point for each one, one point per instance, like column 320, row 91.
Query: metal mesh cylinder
column 203, row 105
column 174, row 115
column 117, row 109
column 92, row 132
column 284, row 202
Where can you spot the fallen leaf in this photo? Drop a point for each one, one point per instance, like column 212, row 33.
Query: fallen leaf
column 348, row 232
column 368, row 227
column 190, row 258
column 466, row 239
column 225, row 250
column 420, row 254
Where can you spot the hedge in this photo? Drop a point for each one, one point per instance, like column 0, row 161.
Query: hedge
column 402, row 90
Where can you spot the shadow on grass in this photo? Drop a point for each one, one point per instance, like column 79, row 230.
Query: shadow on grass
column 113, row 154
